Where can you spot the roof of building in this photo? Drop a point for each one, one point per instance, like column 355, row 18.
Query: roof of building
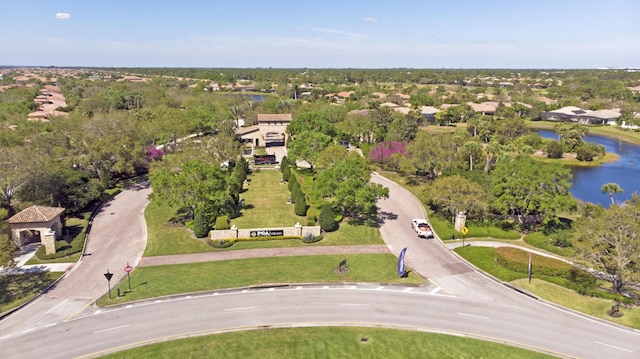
column 428, row 110
column 270, row 117
column 363, row 112
column 246, row 130
column 402, row 110
column 36, row 214
column 390, row 105
column 481, row 107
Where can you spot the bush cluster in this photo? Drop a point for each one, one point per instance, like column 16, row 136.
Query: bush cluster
column 222, row 222
column 518, row 260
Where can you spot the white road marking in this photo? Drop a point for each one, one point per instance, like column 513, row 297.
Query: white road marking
column 242, row 308
column 380, row 288
column 5, row 337
column 434, row 291
column 187, row 297
column 50, row 325
column 458, row 278
column 325, row 287
column 270, row 290
column 214, row 294
column 57, row 305
column 28, row 330
column 613, row 346
column 473, row 315
column 298, row 287
column 110, row 329
column 98, row 312
column 245, row 290
column 407, row 289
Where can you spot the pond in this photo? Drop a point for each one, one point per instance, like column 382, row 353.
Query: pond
column 257, row 98
column 625, row 171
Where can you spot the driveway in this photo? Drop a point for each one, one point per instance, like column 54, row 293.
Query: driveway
column 118, row 236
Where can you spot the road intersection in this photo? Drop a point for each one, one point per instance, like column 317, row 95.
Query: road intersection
column 457, row 299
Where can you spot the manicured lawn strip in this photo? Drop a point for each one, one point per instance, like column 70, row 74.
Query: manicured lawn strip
column 328, row 342
column 351, row 235
column 166, row 239
column 542, row 241
column 16, row 290
column 265, row 202
column 589, row 305
column 484, row 258
column 149, row 282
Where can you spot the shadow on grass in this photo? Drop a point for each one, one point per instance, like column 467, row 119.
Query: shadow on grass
column 15, row 287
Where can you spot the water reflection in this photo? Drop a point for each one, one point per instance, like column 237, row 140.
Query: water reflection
column 625, row 172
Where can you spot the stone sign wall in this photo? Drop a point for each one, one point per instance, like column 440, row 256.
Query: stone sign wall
column 295, row 231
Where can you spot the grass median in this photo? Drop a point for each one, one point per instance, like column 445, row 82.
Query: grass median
column 150, row 282
column 328, row 342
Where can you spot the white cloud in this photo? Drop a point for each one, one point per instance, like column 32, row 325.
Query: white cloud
column 63, row 15
column 370, row 19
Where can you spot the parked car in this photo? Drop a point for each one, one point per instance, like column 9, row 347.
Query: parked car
column 422, row 227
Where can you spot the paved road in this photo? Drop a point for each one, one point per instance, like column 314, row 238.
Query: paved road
column 457, row 299
column 118, row 235
column 542, row 327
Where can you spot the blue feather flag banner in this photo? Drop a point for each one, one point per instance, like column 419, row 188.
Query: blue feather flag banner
column 401, row 271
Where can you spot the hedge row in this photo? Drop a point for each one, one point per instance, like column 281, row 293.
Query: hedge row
column 518, row 260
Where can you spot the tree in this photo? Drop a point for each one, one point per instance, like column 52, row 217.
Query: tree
column 327, row 218
column 296, row 193
column 347, row 184
column 530, row 191
column 554, row 149
column 300, row 207
column 429, row 154
column 14, row 172
column 308, row 145
column 201, row 224
column 609, row 243
column 611, row 188
column 456, row 194
column 293, row 179
column 331, row 155
column 196, row 184
column 8, row 249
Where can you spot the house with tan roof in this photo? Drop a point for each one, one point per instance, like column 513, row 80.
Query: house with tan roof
column 270, row 131
column 37, row 223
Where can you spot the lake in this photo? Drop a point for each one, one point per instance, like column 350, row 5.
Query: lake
column 625, row 172
column 257, row 98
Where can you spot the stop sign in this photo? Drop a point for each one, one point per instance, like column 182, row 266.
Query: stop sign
column 128, row 268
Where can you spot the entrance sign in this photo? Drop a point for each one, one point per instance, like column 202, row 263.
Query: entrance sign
column 267, row 233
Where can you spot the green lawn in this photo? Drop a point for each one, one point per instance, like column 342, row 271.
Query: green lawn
column 328, row 342
column 265, row 202
column 484, row 258
column 16, row 290
column 149, row 282
column 265, row 205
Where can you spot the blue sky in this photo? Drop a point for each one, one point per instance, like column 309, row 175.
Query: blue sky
column 317, row 34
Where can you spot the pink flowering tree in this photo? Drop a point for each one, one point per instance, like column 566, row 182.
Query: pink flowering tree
column 385, row 152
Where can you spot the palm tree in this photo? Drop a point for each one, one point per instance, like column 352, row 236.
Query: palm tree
column 611, row 188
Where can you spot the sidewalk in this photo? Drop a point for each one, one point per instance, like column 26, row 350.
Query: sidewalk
column 260, row 253
column 24, row 255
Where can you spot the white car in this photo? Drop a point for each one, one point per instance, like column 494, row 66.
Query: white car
column 422, row 227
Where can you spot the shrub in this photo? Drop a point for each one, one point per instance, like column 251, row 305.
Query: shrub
column 201, row 224
column 286, row 172
column 554, row 149
column 296, row 192
column 301, row 206
column 222, row 222
column 292, row 181
column 327, row 219
column 311, row 216
column 310, row 238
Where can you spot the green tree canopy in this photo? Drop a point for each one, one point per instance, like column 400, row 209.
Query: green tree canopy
column 608, row 241
column 529, row 190
column 456, row 194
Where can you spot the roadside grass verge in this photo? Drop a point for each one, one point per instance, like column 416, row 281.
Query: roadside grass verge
column 593, row 306
column 329, row 342
column 548, row 287
column 150, row 282
column 548, row 243
column 17, row 289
